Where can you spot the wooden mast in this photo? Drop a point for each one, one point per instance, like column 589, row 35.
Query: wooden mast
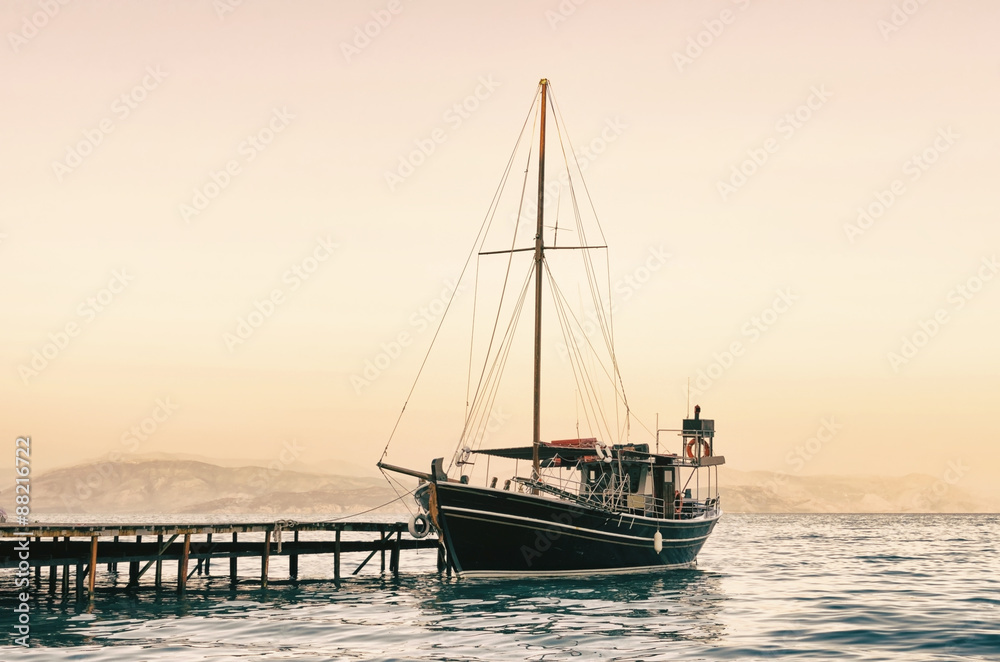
column 539, row 251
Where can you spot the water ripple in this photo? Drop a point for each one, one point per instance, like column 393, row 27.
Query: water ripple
column 836, row 587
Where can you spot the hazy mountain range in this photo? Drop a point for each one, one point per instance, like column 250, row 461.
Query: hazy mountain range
column 164, row 485
column 770, row 492
column 188, row 486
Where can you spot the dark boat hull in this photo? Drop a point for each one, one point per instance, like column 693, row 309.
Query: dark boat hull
column 491, row 532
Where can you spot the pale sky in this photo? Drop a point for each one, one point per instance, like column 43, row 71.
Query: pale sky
column 129, row 252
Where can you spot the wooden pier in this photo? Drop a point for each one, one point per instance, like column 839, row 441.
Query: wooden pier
column 83, row 549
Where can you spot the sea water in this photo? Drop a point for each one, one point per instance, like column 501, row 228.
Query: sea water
column 807, row 587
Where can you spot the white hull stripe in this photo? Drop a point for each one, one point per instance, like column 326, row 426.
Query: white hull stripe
column 571, row 530
column 486, row 574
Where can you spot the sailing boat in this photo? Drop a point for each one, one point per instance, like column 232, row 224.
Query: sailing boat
column 588, row 506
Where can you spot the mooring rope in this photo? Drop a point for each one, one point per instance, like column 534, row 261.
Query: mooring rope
column 364, row 512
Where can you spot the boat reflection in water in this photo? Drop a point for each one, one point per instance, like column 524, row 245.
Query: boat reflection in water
column 682, row 605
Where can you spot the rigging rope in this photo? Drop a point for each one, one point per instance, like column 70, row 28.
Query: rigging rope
column 503, row 291
column 365, row 512
column 480, row 401
column 483, row 230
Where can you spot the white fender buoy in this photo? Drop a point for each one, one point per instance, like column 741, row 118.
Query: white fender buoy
column 658, row 541
column 599, row 448
column 419, row 525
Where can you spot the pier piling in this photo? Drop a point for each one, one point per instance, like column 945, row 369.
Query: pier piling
column 53, row 571
column 232, row 563
column 293, row 559
column 113, row 567
column 182, row 565
column 265, row 559
column 336, row 558
column 93, row 565
column 38, row 570
column 159, row 562
column 133, row 567
column 65, row 575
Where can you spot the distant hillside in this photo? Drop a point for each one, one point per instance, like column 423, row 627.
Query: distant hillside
column 184, row 486
column 172, row 486
column 769, row 492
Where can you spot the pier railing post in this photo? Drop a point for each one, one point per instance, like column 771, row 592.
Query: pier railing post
column 264, row 559
column 182, row 565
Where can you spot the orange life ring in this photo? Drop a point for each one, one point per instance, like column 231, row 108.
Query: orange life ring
column 694, row 442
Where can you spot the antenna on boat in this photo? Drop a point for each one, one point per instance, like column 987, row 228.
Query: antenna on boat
column 688, row 414
column 539, row 252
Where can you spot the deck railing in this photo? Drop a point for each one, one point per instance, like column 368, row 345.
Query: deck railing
column 617, row 499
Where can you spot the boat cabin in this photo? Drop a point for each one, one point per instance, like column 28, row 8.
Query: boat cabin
column 625, row 478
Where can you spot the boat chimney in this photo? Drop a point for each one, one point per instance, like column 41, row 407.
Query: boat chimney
column 697, row 412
